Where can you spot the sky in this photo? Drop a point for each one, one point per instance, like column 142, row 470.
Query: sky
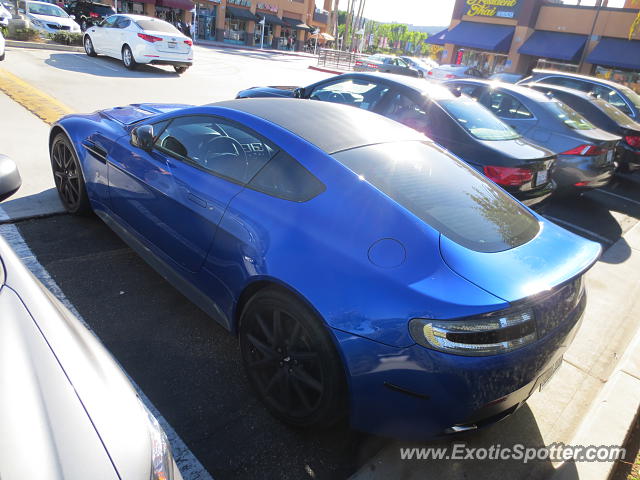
column 415, row 12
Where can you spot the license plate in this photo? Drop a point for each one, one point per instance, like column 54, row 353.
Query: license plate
column 609, row 156
column 542, row 177
column 172, row 44
column 546, row 376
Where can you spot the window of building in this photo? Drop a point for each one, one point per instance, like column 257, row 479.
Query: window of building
column 285, row 178
column 216, row 146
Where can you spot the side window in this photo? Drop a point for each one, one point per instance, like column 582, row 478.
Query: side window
column 506, row 106
column 566, row 82
column 122, row 22
column 407, row 111
column 358, row 93
column 472, row 90
column 217, row 146
column 109, row 22
column 285, row 178
column 610, row 95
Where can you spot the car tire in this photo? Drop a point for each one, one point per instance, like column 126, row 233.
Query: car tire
column 180, row 70
column 88, row 46
column 291, row 360
column 127, row 58
column 67, row 176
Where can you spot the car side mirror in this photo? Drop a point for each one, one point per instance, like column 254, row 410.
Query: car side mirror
column 10, row 180
column 299, row 93
column 142, row 137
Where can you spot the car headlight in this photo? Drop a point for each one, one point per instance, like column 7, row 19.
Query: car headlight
column 161, row 456
column 491, row 334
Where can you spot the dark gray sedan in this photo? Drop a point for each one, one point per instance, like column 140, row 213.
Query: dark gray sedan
column 67, row 411
column 585, row 153
column 385, row 64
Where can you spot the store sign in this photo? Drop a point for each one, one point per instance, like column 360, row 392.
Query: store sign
column 493, row 8
column 268, row 7
column 241, row 3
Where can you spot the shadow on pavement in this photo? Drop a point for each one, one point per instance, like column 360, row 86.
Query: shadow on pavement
column 105, row 66
column 44, row 203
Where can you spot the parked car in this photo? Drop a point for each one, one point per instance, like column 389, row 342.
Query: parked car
column 386, row 64
column 586, row 154
column 422, row 65
column 354, row 261
column 140, row 40
column 449, row 72
column 618, row 95
column 2, row 54
column 460, row 125
column 5, row 15
column 47, row 18
column 605, row 116
column 506, row 77
column 66, row 409
column 90, row 13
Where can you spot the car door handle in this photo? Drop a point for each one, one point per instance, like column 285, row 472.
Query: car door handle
column 197, row 200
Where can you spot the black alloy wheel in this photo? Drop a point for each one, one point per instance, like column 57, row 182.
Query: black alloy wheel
column 291, row 360
column 68, row 176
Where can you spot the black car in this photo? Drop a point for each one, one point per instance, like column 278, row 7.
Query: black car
column 605, row 116
column 386, row 64
column 89, row 13
column 585, row 153
column 457, row 123
column 616, row 94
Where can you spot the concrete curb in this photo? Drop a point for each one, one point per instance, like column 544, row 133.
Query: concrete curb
column 326, row 70
column 205, row 43
column 44, row 46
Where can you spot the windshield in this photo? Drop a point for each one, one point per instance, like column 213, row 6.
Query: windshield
column 478, row 120
column 157, row 26
column 616, row 115
column 568, row 116
column 49, row 10
column 631, row 95
column 445, row 193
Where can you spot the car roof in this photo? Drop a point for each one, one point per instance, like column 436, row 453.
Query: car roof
column 433, row 90
column 570, row 91
column 332, row 127
column 448, row 66
column 575, row 75
column 509, row 87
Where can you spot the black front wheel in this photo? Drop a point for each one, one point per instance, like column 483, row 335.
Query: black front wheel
column 67, row 176
column 291, row 360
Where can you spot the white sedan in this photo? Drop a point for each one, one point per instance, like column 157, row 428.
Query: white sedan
column 48, row 18
column 1, row 47
column 137, row 39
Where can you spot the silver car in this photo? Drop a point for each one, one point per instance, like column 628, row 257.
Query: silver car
column 67, row 411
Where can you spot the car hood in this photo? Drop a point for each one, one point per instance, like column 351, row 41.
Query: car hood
column 518, row 149
column 68, row 377
column 552, row 257
column 275, row 91
column 137, row 112
column 67, row 22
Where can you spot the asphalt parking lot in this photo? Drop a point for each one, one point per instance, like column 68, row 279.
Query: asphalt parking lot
column 186, row 364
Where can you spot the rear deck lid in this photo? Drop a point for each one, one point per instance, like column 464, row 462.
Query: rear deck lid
column 133, row 113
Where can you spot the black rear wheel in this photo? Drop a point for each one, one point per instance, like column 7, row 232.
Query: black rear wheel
column 291, row 360
column 67, row 176
column 88, row 46
column 180, row 70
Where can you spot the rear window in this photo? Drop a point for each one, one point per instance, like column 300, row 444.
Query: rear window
column 631, row 95
column 157, row 26
column 616, row 115
column 568, row 116
column 477, row 120
column 444, row 193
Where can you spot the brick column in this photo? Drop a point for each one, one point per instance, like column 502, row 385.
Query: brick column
column 277, row 29
column 250, row 31
column 220, row 24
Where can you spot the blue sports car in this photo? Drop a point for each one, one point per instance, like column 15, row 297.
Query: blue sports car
column 368, row 274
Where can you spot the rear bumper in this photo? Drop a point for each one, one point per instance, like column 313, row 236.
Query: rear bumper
column 535, row 197
column 629, row 158
column 170, row 62
column 573, row 171
column 417, row 393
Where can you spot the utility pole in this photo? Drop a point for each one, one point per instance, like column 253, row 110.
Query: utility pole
column 593, row 28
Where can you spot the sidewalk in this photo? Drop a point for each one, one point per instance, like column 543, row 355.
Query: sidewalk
column 214, row 43
column 592, row 399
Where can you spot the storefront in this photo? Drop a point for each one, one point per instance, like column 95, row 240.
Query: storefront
column 133, row 8
column 292, row 33
column 176, row 12
column 271, row 22
column 555, row 50
column 618, row 60
column 206, row 12
column 236, row 23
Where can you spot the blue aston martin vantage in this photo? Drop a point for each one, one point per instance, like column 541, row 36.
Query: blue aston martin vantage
column 368, row 274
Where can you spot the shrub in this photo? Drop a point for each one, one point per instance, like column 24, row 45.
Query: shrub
column 24, row 34
column 67, row 38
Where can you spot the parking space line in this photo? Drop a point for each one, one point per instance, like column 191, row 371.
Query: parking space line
column 37, row 102
column 606, row 192
column 190, row 467
column 587, row 232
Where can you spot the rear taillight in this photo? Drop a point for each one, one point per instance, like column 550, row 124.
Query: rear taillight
column 449, row 75
column 632, row 141
column 585, row 151
column 358, row 62
column 508, row 176
column 149, row 38
column 189, row 42
column 430, row 73
column 93, row 15
column 371, row 65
